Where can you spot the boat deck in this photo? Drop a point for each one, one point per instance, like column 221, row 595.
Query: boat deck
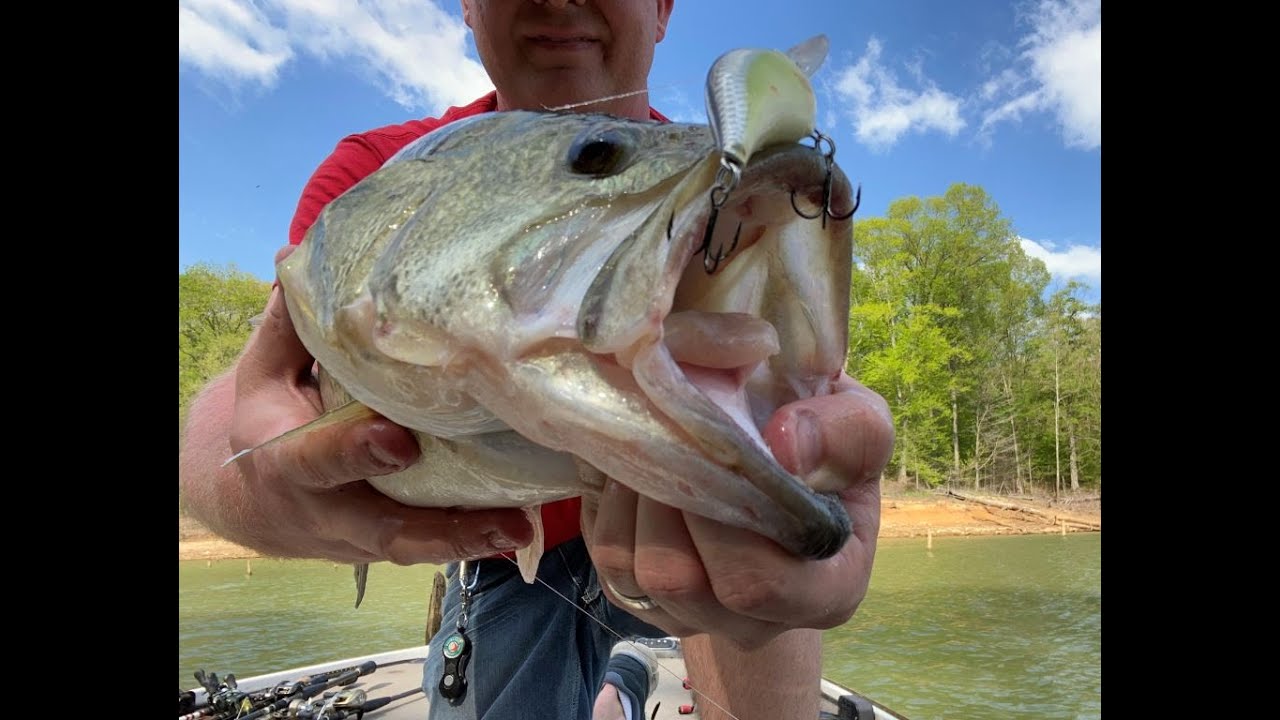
column 400, row 671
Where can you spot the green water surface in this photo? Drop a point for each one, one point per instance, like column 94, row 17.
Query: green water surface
column 997, row 627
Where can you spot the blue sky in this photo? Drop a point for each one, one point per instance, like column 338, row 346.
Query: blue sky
column 917, row 94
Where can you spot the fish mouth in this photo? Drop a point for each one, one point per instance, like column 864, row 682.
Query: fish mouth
column 749, row 316
column 772, row 276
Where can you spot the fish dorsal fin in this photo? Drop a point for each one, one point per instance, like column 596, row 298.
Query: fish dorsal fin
column 348, row 412
column 810, row 54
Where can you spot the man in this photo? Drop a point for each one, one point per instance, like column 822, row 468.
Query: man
column 749, row 611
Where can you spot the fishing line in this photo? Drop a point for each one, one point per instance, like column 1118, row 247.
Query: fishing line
column 618, row 635
column 607, row 98
column 619, row 96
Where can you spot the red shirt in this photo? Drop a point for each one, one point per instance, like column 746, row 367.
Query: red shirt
column 357, row 156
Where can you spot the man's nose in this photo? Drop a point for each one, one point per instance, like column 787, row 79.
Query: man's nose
column 560, row 4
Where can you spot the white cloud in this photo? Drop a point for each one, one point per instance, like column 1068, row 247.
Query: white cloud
column 230, row 40
column 677, row 106
column 883, row 111
column 1004, row 82
column 416, row 51
column 1060, row 71
column 1077, row 261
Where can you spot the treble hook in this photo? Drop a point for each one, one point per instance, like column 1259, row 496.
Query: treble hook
column 830, row 157
column 709, row 264
column 857, row 200
column 825, row 212
column 727, row 178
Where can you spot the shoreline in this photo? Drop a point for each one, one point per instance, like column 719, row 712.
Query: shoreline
column 900, row 517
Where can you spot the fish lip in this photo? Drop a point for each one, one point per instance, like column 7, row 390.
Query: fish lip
column 794, row 169
column 798, row 167
column 819, row 541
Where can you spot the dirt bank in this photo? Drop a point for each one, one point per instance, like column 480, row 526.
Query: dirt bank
column 986, row 515
column 902, row 516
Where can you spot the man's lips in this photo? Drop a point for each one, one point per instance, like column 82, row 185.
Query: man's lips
column 561, row 41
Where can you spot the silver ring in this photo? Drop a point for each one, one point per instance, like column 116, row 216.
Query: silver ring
column 639, row 602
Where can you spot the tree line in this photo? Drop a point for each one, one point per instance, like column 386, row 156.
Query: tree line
column 994, row 383
column 215, row 308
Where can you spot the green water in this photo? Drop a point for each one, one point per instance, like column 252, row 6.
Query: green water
column 1007, row 627
column 1003, row 627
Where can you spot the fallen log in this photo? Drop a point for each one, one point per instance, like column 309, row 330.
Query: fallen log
column 1057, row 518
column 1070, row 499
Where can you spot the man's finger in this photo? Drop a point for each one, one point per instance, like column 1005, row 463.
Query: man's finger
column 274, row 352
column 768, row 584
column 671, row 570
column 612, row 537
column 334, row 456
column 833, row 441
column 285, row 252
column 383, row 529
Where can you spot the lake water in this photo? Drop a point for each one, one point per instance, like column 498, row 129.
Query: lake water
column 983, row 627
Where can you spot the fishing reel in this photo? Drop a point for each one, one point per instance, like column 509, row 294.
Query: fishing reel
column 287, row 688
column 224, row 696
column 330, row 706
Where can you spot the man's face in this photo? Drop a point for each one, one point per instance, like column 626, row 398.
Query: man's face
column 548, row 53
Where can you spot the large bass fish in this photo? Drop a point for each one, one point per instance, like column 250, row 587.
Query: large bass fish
column 549, row 298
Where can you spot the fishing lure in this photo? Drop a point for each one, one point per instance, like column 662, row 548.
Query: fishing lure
column 756, row 98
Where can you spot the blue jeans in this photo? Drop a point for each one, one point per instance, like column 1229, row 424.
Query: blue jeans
column 533, row 654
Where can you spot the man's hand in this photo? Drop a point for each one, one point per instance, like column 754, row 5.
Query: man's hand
column 306, row 497
column 708, row 577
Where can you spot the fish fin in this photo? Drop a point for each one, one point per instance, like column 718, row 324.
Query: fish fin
column 528, row 557
column 810, row 54
column 362, row 579
column 344, row 413
column 589, row 474
column 414, row 343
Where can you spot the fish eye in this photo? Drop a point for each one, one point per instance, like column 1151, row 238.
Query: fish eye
column 598, row 153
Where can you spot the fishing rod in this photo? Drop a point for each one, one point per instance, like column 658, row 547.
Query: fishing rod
column 346, row 704
column 312, row 690
column 226, row 702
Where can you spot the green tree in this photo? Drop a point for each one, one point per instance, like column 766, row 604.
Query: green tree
column 999, row 436
column 902, row 353
column 215, row 305
column 943, row 295
column 1069, row 358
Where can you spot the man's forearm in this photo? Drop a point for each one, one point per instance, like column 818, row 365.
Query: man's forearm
column 777, row 681
column 206, row 445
